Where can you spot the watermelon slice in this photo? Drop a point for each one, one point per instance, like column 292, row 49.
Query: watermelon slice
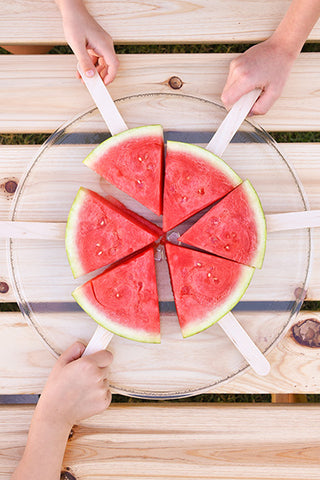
column 124, row 298
column 133, row 162
column 234, row 228
column 205, row 287
column 100, row 232
column 194, row 178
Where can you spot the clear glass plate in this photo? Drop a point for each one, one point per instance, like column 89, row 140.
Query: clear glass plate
column 43, row 281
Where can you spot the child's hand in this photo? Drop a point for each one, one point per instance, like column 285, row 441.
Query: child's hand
column 265, row 66
column 77, row 387
column 92, row 46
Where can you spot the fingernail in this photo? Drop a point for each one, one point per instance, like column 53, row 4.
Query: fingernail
column 89, row 73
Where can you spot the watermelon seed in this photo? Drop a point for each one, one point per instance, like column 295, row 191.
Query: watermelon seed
column 227, row 247
column 201, row 191
column 118, row 295
column 209, row 275
column 102, row 222
column 215, row 221
column 198, row 264
column 100, row 253
column 97, row 244
column 140, row 159
column 184, row 199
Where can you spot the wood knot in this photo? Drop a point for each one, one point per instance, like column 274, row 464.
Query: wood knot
column 175, row 83
column 66, row 475
column 10, row 186
column 307, row 333
column 4, row 287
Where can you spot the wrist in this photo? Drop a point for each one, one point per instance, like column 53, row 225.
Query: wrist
column 53, row 417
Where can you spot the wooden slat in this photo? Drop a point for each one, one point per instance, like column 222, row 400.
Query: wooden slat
column 154, row 21
column 50, row 94
column 25, row 361
column 181, row 441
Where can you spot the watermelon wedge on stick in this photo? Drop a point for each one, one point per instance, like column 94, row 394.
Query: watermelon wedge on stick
column 100, row 232
column 205, row 287
column 234, row 228
column 124, row 299
column 133, row 161
column 194, row 178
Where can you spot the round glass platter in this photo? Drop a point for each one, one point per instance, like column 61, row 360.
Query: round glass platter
column 43, row 281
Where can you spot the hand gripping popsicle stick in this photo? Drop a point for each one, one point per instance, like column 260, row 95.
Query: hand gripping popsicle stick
column 276, row 222
column 217, row 145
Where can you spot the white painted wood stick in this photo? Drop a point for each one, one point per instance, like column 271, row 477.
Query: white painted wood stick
column 293, row 220
column 104, row 102
column 244, row 344
column 116, row 124
column 99, row 341
column 217, row 145
column 232, row 122
column 32, row 230
column 276, row 222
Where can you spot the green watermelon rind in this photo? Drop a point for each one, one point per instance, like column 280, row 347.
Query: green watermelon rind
column 260, row 220
column 119, row 138
column 71, row 233
column 131, row 334
column 198, row 325
column 207, row 157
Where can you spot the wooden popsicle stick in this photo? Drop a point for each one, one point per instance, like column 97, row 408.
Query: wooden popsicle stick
column 276, row 222
column 217, row 145
column 232, row 122
column 293, row 220
column 116, row 124
column 32, row 230
column 244, row 344
column 104, row 102
column 99, row 341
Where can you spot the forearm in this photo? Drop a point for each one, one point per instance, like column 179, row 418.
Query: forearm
column 44, row 451
column 71, row 7
column 296, row 25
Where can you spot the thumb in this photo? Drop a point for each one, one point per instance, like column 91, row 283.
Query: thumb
column 72, row 353
column 85, row 62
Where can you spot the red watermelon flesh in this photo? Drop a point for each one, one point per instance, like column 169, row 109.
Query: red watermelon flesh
column 99, row 232
column 133, row 162
column 149, row 225
column 194, row 178
column 234, row 228
column 124, row 298
column 205, row 287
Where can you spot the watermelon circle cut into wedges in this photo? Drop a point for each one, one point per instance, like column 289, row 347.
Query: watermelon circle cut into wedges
column 103, row 232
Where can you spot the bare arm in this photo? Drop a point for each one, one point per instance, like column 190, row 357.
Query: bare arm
column 268, row 64
column 76, row 389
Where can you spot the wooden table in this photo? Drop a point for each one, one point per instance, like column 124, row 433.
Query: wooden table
column 37, row 94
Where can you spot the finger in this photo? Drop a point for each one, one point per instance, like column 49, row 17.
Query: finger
column 103, row 358
column 108, row 398
column 264, row 102
column 235, row 91
column 85, row 61
column 111, row 72
column 72, row 353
